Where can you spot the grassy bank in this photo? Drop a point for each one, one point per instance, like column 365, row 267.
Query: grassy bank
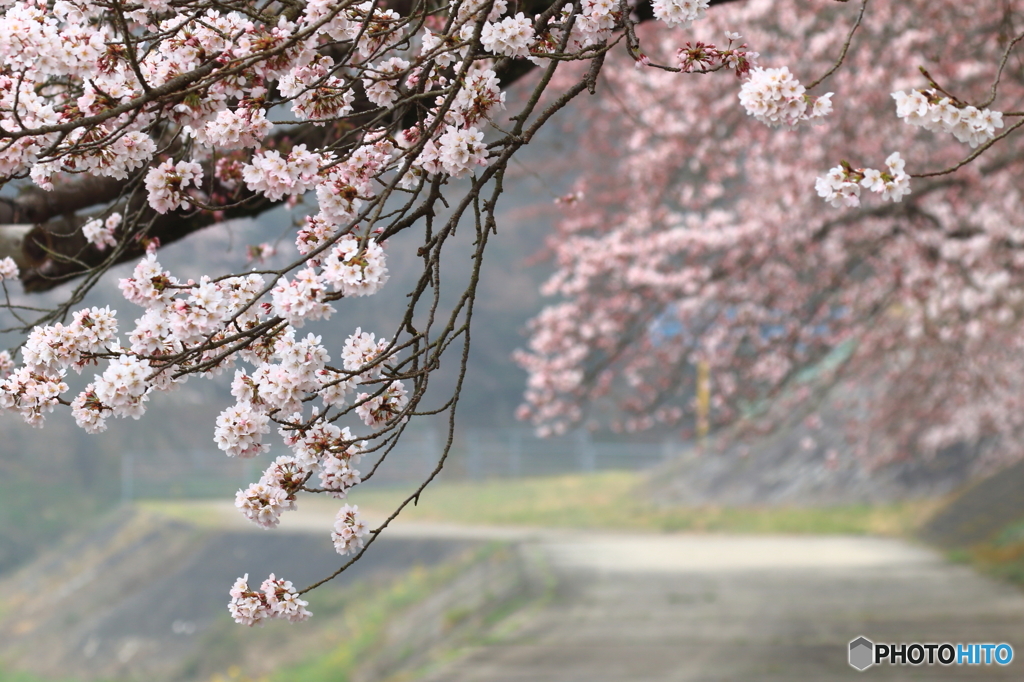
column 612, row 500
column 350, row 632
column 34, row 514
column 361, row 632
column 606, row 500
column 1001, row 557
column 984, row 525
column 11, row 676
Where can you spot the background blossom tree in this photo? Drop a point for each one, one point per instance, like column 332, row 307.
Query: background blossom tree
column 705, row 243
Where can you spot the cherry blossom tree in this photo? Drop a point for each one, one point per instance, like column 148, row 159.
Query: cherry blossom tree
column 752, row 230
column 128, row 125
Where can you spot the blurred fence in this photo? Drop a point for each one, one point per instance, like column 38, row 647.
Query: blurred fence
column 517, row 452
column 476, row 454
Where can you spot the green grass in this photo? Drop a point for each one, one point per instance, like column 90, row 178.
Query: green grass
column 613, row 500
column 12, row 676
column 348, row 629
column 607, row 500
column 1001, row 557
column 200, row 513
column 365, row 624
column 364, row 615
column 35, row 513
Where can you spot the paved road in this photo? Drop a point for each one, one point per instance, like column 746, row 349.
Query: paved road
column 682, row 608
column 765, row 609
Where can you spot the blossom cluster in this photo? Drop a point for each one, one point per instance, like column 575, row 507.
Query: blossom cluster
column 774, row 97
column 275, row 176
column 592, row 25
column 32, row 394
column 349, row 530
column 8, row 269
column 325, row 448
column 276, row 598
column 937, row 113
column 511, row 37
column 702, row 57
column 167, row 183
column 841, row 187
column 100, row 233
column 680, row 12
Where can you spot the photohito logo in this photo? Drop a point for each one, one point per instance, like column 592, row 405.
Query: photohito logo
column 864, row 653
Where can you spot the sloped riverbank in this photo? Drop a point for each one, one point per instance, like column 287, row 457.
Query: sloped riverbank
column 143, row 597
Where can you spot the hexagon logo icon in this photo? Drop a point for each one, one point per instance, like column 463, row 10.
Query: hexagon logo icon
column 862, row 653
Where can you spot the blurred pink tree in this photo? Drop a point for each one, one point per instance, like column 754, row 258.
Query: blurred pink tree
column 699, row 236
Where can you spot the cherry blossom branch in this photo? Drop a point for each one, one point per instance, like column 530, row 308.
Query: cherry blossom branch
column 846, row 48
column 999, row 73
column 974, row 155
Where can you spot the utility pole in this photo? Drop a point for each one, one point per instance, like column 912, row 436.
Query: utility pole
column 703, row 404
